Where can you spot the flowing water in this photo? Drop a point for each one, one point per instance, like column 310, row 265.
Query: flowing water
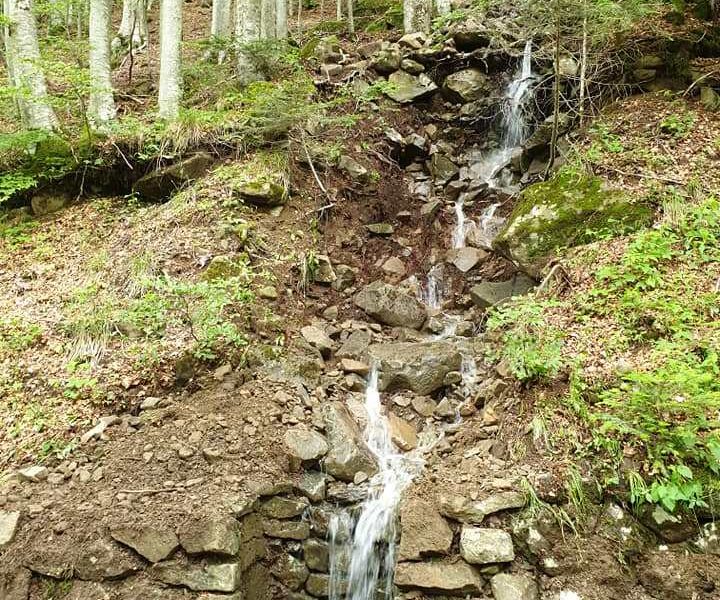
column 432, row 293
column 515, row 130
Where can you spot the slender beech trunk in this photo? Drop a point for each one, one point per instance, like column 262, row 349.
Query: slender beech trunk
column 417, row 15
column 338, row 10
column 350, row 16
column 101, row 109
column 583, row 71
column 221, row 24
column 247, row 31
column 267, row 20
column 281, row 18
column 170, row 91
column 24, row 57
column 556, row 103
column 133, row 29
column 443, row 7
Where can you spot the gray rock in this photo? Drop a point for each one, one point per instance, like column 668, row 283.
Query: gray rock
column 402, row 433
column 387, row 60
column 467, row 85
column 317, row 555
column 344, row 279
column 102, row 560
column 394, row 266
column 442, row 168
column 324, row 273
column 465, row 510
column 45, row 204
column 438, row 577
column 513, row 587
column 8, row 527
column 492, row 293
column 153, row 544
column 318, row 585
column 356, row 345
column 406, row 88
column 102, row 424
column 87, row 590
column 328, row 50
column 470, row 36
column 347, row 452
column 305, row 444
column 481, row 546
column 465, row 258
column 708, row 540
column 207, row 535
column 423, row 532
column 34, row 474
column 390, row 305
column 318, row 339
column 283, row 508
column 313, row 485
column 199, row 577
column 411, row 66
column 384, row 229
column 423, row 405
column 352, row 167
column 420, row 367
column 414, row 41
column 162, row 183
column 671, row 528
column 290, row 571
column 287, row 530
column 15, row 584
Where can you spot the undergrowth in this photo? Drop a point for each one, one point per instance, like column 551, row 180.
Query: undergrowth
column 654, row 426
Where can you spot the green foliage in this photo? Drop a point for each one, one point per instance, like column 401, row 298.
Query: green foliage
column 14, row 183
column 532, row 348
column 17, row 335
column 604, row 141
column 379, row 15
column 676, row 125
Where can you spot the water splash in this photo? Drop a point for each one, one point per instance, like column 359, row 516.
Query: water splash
column 460, row 231
column 372, row 549
column 432, row 293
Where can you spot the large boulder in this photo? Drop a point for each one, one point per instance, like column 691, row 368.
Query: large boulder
column 569, row 210
column 467, row 85
column 482, row 546
column 420, row 367
column 390, row 305
column 423, row 531
column 439, row 577
column 347, row 453
column 162, row 183
column 152, row 543
column 405, row 88
column 305, row 444
column 491, row 293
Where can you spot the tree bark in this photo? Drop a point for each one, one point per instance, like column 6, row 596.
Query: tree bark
column 220, row 25
column 556, row 103
column 247, row 31
column 583, row 71
column 101, row 108
column 170, row 91
column 350, row 16
column 416, row 15
column 281, row 18
column 24, row 57
column 443, row 7
column 338, row 10
column 133, row 29
column 267, row 20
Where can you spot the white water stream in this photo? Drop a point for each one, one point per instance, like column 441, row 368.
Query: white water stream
column 515, row 130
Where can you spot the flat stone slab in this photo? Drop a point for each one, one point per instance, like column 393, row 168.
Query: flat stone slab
column 8, row 527
column 438, row 577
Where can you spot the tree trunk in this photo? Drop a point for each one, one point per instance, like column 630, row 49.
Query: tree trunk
column 443, row 7
column 267, row 20
column 338, row 10
column 416, row 15
column 221, row 19
column 132, row 32
column 24, row 57
column 583, row 71
column 101, row 108
column 281, row 18
column 247, row 31
column 350, row 16
column 556, row 104
column 170, row 90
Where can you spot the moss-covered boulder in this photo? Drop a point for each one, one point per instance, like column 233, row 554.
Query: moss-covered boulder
column 263, row 180
column 162, row 183
column 569, row 210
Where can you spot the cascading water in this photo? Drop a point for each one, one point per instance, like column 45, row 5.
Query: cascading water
column 515, row 129
column 431, row 294
column 371, row 551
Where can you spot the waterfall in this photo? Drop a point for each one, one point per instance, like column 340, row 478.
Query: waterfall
column 371, row 554
column 515, row 130
column 431, row 294
column 363, row 545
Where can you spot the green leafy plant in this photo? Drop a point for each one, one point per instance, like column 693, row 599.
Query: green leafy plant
column 677, row 125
